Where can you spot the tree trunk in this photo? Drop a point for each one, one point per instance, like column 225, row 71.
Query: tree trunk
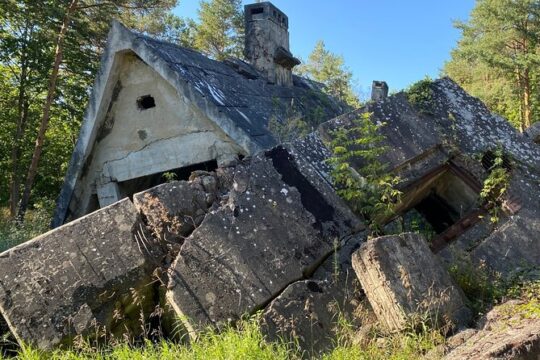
column 46, row 111
column 22, row 114
column 526, row 100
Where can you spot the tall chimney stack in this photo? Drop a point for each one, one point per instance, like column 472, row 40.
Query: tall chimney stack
column 379, row 91
column 267, row 42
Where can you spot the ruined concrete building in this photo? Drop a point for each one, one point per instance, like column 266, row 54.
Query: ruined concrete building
column 157, row 107
column 265, row 232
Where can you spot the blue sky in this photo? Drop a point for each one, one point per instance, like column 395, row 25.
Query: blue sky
column 399, row 41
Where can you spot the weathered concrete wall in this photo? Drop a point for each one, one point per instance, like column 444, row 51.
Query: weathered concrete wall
column 73, row 280
column 133, row 143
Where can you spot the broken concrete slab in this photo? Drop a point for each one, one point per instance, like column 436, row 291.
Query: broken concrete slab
column 275, row 228
column 402, row 279
column 308, row 312
column 174, row 209
column 507, row 334
column 73, row 280
column 305, row 314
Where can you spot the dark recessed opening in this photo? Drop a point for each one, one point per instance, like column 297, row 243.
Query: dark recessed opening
column 146, row 102
column 435, row 203
column 133, row 186
column 490, row 157
column 256, row 11
column 437, row 212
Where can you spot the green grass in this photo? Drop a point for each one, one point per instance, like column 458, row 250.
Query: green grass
column 247, row 342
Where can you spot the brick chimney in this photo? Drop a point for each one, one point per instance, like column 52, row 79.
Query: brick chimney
column 267, row 42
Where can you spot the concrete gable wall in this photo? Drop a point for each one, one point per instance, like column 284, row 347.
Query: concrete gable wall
column 133, row 143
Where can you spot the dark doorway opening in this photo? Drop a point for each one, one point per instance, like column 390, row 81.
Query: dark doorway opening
column 133, row 186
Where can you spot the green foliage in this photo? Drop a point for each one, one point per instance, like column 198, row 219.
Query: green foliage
column 36, row 223
column 420, row 95
column 329, row 69
column 220, row 32
column 482, row 286
column 369, row 189
column 289, row 130
column 411, row 221
column 413, row 343
column 495, row 186
column 486, row 288
column 528, row 293
column 169, row 176
column 498, row 55
column 246, row 342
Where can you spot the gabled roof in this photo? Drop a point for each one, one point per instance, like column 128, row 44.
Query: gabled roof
column 235, row 96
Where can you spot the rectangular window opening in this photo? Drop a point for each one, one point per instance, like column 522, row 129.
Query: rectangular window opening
column 133, row 186
column 441, row 206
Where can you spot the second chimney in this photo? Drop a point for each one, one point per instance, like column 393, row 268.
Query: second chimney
column 267, row 42
column 379, row 91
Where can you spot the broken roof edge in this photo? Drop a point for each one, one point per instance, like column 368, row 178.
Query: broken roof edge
column 120, row 39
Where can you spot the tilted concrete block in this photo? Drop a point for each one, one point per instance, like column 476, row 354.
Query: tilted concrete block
column 73, row 280
column 274, row 229
column 402, row 279
column 174, row 209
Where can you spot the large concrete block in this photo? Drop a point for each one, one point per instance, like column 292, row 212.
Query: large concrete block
column 274, row 228
column 174, row 209
column 73, row 280
column 402, row 279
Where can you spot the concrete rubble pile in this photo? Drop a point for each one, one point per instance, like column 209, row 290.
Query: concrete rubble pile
column 269, row 234
column 224, row 244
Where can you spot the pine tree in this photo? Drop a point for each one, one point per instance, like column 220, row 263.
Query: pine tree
column 499, row 54
column 327, row 68
column 51, row 50
column 220, row 32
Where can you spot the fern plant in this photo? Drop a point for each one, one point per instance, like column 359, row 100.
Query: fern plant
column 370, row 189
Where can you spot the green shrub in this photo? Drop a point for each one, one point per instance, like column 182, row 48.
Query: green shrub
column 420, row 95
column 370, row 190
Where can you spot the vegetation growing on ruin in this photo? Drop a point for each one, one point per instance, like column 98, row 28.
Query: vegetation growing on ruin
column 486, row 288
column 370, row 189
column 13, row 233
column 495, row 185
column 420, row 95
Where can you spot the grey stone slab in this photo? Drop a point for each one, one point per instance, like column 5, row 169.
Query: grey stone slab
column 174, row 209
column 507, row 334
column 68, row 281
column 308, row 312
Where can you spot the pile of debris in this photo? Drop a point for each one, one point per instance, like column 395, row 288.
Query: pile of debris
column 269, row 234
